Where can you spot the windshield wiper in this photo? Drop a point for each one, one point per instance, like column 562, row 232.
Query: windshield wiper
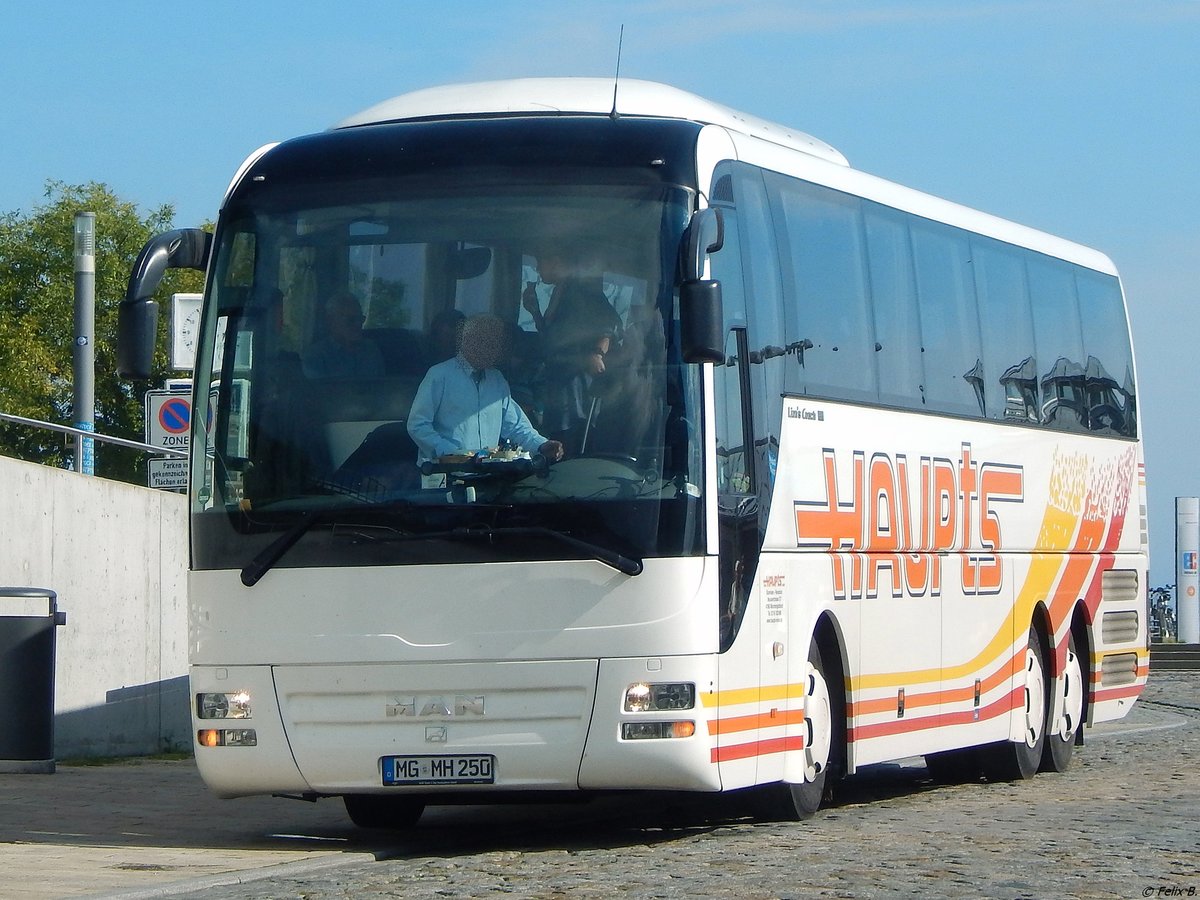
column 269, row 555
column 624, row 564
column 273, row 552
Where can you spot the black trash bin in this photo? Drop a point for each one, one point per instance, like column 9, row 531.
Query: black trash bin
column 28, row 617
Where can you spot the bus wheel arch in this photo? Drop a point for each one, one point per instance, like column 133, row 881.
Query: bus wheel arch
column 1021, row 759
column 824, row 752
column 829, row 644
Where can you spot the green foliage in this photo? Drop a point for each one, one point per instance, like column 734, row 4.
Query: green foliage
column 37, row 289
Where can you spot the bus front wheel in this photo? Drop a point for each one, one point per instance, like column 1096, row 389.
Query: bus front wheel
column 795, row 802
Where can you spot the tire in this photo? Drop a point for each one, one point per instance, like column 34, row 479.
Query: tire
column 374, row 811
column 796, row 802
column 1015, row 760
column 1060, row 740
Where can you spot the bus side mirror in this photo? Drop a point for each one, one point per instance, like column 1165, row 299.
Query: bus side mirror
column 700, row 322
column 137, row 329
column 700, row 315
column 137, row 316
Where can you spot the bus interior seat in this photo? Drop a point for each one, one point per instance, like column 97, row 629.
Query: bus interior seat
column 349, row 410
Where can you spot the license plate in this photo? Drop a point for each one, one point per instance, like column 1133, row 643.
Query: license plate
column 474, row 769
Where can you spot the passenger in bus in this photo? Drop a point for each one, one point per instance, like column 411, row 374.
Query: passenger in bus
column 342, row 350
column 578, row 329
column 464, row 405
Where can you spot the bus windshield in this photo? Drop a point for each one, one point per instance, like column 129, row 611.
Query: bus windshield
column 349, row 414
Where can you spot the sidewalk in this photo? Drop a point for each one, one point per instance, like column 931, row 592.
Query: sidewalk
column 135, row 827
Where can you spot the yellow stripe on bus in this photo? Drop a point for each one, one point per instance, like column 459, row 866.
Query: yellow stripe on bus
column 764, row 694
column 1058, row 529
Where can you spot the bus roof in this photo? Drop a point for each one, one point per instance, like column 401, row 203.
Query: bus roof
column 582, row 96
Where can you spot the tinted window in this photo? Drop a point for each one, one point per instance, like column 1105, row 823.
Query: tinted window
column 1060, row 353
column 850, row 299
column 828, row 307
column 949, row 322
column 1108, row 372
column 894, row 303
column 1009, row 358
column 765, row 320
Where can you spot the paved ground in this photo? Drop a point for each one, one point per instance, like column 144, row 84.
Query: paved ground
column 1125, row 822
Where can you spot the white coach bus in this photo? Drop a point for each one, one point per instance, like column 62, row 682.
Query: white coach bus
column 852, row 473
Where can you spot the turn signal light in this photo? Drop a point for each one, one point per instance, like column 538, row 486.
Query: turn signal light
column 649, row 731
column 227, row 737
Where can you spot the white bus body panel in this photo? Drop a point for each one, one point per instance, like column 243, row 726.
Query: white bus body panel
column 533, row 716
column 571, row 609
column 529, row 644
column 939, row 634
column 583, row 96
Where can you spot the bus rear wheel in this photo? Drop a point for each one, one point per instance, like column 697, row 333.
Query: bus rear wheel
column 1060, row 740
column 1014, row 760
column 374, row 811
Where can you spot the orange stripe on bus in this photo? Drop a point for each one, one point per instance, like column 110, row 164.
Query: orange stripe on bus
column 906, row 726
column 1131, row 690
column 933, row 698
column 1142, row 670
column 772, row 719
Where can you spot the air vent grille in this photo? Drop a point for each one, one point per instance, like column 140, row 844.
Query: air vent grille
column 1119, row 627
column 1118, row 668
column 1119, row 586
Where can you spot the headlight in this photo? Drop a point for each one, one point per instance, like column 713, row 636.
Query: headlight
column 642, row 697
column 223, row 706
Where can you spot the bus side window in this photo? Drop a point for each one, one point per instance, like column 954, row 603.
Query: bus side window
column 1060, row 357
column 894, row 306
column 1111, row 396
column 737, row 508
column 823, row 258
column 1006, row 320
column 765, row 325
column 949, row 320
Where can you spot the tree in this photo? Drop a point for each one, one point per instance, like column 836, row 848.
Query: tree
column 37, row 285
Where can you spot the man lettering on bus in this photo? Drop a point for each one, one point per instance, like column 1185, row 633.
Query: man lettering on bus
column 464, row 405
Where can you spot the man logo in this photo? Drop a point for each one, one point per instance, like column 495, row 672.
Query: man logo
column 434, row 707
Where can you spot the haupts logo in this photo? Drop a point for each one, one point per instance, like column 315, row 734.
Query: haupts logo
column 898, row 517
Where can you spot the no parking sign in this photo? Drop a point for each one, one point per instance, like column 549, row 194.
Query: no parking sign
column 168, row 418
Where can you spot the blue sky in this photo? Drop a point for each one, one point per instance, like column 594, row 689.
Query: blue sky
column 1079, row 117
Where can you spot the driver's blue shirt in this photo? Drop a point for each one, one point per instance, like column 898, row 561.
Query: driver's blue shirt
column 458, row 409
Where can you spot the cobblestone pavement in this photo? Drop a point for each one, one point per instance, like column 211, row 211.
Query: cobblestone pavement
column 1124, row 822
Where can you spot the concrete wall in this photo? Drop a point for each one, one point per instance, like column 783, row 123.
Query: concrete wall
column 117, row 556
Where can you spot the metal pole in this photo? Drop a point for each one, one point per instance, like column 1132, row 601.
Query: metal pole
column 84, row 354
column 1187, row 571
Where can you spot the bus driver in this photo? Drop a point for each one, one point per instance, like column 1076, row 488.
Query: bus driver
column 463, row 405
